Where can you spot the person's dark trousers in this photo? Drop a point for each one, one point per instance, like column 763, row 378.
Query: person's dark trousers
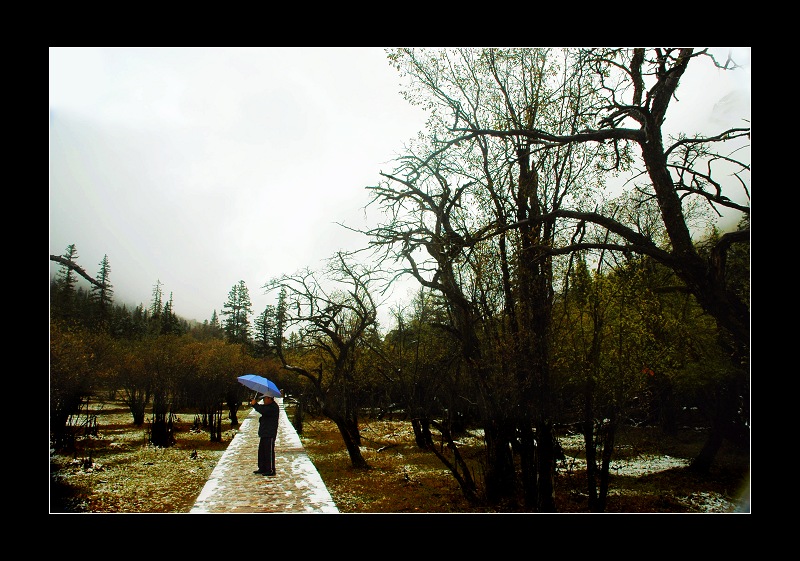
column 266, row 454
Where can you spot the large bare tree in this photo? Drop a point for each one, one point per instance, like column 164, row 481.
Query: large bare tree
column 332, row 313
column 515, row 156
column 636, row 87
column 465, row 215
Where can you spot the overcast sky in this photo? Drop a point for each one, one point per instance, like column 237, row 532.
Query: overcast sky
column 201, row 167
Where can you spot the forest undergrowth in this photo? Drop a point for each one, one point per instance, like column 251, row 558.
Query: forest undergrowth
column 117, row 471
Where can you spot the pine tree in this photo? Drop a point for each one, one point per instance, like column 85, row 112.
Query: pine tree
column 156, row 308
column 102, row 297
column 170, row 324
column 64, row 285
column 67, row 276
column 215, row 330
column 237, row 311
column 265, row 325
column 280, row 319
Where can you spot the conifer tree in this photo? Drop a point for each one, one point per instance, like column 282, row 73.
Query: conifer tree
column 280, row 319
column 67, row 274
column 208, row 329
column 237, row 311
column 170, row 324
column 102, row 296
column 156, row 305
column 265, row 325
column 156, row 308
column 65, row 282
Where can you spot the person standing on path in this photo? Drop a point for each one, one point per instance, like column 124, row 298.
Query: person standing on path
column 267, row 433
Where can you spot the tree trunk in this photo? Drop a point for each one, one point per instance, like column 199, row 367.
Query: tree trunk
column 499, row 477
column 545, row 467
column 591, row 465
column 458, row 467
column 297, row 419
column 233, row 404
column 137, row 401
column 215, row 424
column 422, row 433
column 351, row 443
column 609, row 434
column 527, row 457
column 591, row 450
column 161, row 432
column 722, row 420
column 702, row 463
column 702, row 278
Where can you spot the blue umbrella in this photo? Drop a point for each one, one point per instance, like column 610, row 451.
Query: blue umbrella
column 259, row 384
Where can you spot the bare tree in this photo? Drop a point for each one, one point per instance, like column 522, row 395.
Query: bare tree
column 467, row 216
column 331, row 314
column 614, row 100
column 639, row 92
column 689, row 170
column 71, row 265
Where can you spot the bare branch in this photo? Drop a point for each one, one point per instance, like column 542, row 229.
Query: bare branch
column 78, row 269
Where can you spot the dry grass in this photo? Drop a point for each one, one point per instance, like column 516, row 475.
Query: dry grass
column 649, row 473
column 118, row 472
column 402, row 477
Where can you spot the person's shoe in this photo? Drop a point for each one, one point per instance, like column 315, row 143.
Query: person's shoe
column 270, row 473
column 259, row 472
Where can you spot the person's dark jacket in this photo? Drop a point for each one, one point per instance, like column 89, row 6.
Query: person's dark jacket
column 268, row 423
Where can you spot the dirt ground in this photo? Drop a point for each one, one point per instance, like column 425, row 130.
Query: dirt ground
column 117, row 471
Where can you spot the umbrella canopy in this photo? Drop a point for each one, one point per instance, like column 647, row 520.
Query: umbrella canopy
column 259, row 384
